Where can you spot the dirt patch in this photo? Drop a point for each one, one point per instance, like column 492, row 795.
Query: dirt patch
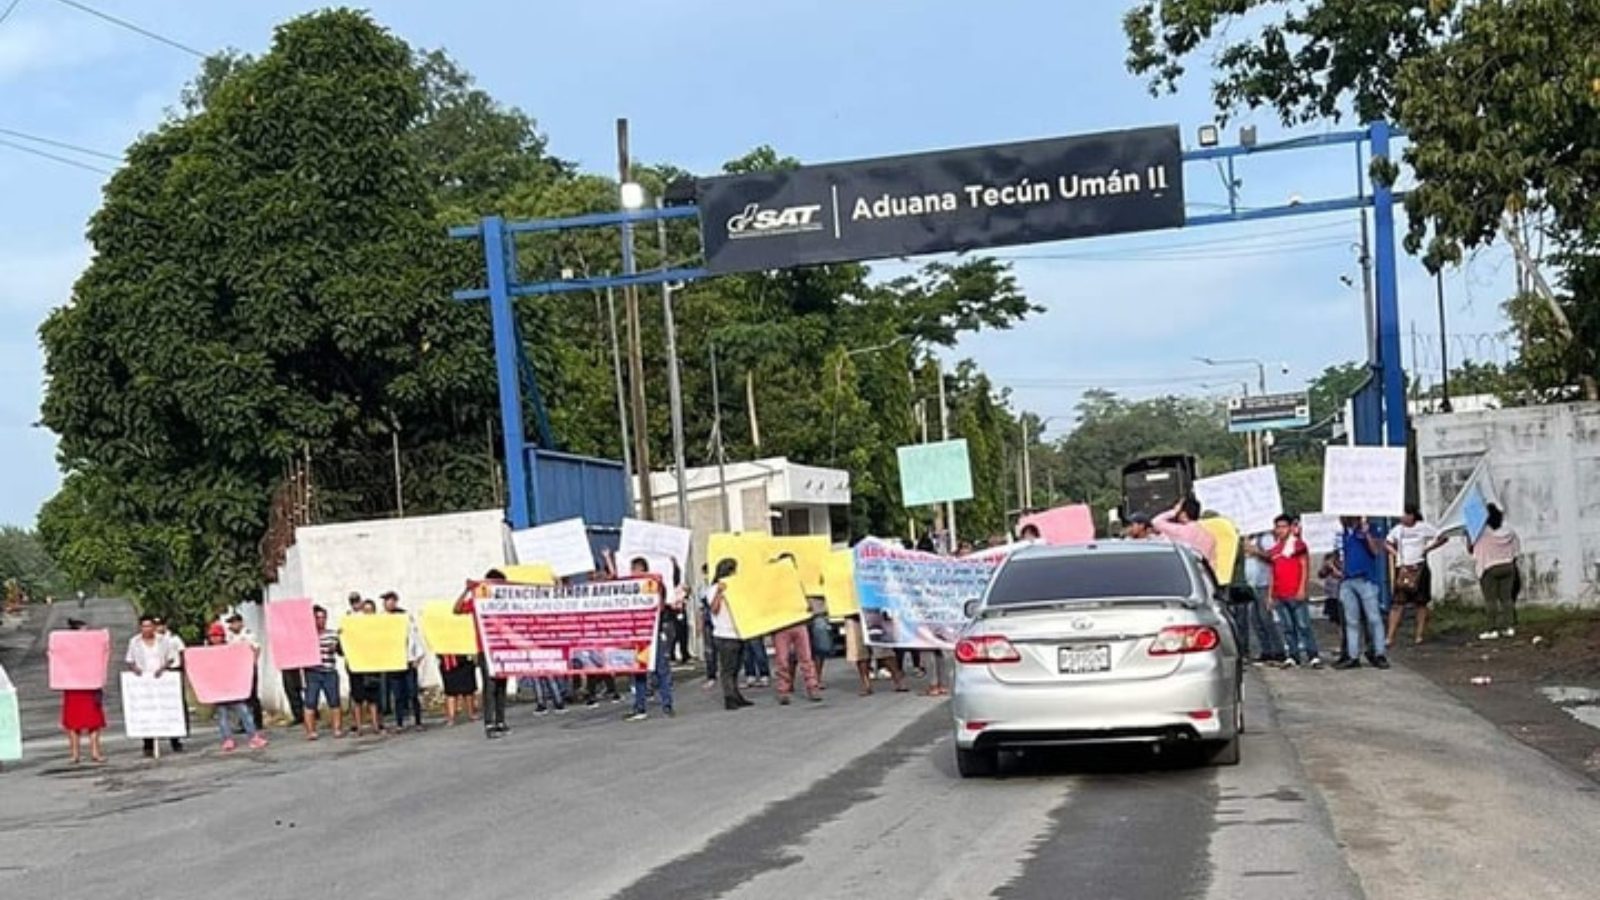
column 1551, row 649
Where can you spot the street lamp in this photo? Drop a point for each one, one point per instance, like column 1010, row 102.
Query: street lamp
column 633, row 196
column 1261, row 367
column 838, row 387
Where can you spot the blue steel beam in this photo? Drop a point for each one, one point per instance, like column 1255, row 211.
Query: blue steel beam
column 1386, row 298
column 504, row 320
column 540, row 288
column 589, row 220
column 1332, row 139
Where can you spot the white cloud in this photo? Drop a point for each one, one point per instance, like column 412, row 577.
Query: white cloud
column 30, row 46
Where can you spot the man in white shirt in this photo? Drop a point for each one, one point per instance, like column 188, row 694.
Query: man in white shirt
column 151, row 655
column 1409, row 544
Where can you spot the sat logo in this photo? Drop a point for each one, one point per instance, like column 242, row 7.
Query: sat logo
column 753, row 221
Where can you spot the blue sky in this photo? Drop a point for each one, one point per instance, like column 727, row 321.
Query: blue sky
column 703, row 82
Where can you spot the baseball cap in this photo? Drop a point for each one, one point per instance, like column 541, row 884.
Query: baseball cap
column 1138, row 519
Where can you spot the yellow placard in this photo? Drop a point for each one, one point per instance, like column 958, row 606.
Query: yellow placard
column 748, row 549
column 810, row 551
column 446, row 633
column 374, row 643
column 529, row 573
column 766, row 599
column 839, row 584
column 1227, row 546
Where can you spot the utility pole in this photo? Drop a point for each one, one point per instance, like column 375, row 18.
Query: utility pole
column 674, row 385
column 944, row 432
column 1444, row 342
column 622, row 397
column 641, row 443
column 1026, row 499
column 716, row 432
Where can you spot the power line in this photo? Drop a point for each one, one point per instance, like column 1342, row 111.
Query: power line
column 9, row 9
column 62, row 144
column 60, row 159
column 124, row 23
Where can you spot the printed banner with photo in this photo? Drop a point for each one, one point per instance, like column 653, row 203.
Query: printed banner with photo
column 914, row 599
column 607, row 627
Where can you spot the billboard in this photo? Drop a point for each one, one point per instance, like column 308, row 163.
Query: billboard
column 948, row 200
column 1265, row 412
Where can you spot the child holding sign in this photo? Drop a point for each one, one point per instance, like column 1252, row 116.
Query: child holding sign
column 217, row 636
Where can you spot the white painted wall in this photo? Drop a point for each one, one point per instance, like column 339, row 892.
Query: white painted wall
column 422, row 558
column 1545, row 465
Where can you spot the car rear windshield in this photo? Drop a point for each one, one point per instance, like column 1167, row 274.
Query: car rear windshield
column 1090, row 577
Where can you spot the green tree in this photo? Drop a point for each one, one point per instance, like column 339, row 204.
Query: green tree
column 25, row 561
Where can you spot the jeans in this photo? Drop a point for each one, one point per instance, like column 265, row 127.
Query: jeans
column 494, row 695
column 322, row 683
column 1299, row 641
column 663, row 673
column 1266, row 626
column 755, row 659
column 548, row 692
column 1358, row 598
column 730, row 651
column 239, row 711
column 793, row 647
column 401, row 688
column 821, row 638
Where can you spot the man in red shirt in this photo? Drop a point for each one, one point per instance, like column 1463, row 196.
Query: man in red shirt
column 1291, row 575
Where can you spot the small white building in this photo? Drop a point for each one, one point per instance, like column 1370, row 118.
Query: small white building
column 773, row 495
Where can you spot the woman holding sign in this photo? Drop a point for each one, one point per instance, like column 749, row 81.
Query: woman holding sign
column 83, row 712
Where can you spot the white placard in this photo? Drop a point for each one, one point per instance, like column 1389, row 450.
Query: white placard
column 153, row 707
column 5, row 681
column 1364, row 481
column 563, row 546
column 1320, row 531
column 1249, row 498
column 641, row 538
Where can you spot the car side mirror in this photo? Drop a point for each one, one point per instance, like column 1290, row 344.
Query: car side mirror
column 970, row 608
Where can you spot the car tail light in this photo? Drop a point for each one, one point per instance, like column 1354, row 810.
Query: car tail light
column 986, row 650
column 1185, row 639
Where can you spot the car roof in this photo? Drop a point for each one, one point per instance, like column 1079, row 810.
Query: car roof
column 1111, row 546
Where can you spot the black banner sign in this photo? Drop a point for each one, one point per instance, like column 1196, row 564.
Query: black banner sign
column 949, row 200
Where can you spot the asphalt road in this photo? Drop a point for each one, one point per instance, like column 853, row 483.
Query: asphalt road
column 852, row 797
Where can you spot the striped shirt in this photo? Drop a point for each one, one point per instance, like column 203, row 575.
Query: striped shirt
column 329, row 642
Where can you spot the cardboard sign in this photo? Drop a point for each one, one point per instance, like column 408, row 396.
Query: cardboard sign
column 10, row 727
column 748, row 549
column 1063, row 525
column 446, row 633
column 1320, row 532
column 934, row 473
column 606, row 627
column 220, row 673
column 1364, row 481
column 375, row 643
column 1227, row 537
column 531, row 573
column 839, row 584
column 152, row 707
column 641, row 538
column 563, row 546
column 914, row 599
column 810, row 552
column 78, row 660
column 292, row 635
column 1249, row 498
column 766, row 598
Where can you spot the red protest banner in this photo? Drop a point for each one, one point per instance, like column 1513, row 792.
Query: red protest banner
column 608, row 627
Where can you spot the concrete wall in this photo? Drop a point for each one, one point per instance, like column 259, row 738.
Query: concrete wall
column 421, row 558
column 1544, row 462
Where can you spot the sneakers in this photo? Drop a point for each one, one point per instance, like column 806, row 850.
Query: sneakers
column 1381, row 662
column 1290, row 663
column 258, row 742
column 228, row 746
column 667, row 711
column 749, row 682
column 1509, row 632
column 638, row 716
column 783, row 699
column 1489, row 636
column 1315, row 663
column 541, row 710
column 1347, row 662
column 763, row 681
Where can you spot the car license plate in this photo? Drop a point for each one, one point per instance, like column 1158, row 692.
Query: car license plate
column 1079, row 660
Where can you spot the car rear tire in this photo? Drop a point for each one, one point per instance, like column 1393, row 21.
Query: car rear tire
column 1224, row 753
column 977, row 763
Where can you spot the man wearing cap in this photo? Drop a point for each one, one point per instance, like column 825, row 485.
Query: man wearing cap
column 236, row 633
column 1137, row 528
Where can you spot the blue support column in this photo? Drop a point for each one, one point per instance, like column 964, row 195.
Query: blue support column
column 1386, row 277
column 504, row 320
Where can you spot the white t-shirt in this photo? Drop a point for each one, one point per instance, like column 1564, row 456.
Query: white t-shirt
column 147, row 658
column 1412, row 541
column 722, row 620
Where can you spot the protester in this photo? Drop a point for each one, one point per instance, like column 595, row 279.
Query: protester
column 175, row 647
column 757, row 668
column 323, row 681
column 403, row 688
column 147, row 658
column 238, row 634
column 792, row 646
column 1181, row 524
column 1360, row 550
column 1260, row 614
column 709, row 649
column 494, row 688
column 730, row 649
column 366, row 689
column 356, row 680
column 821, row 636
column 83, row 712
column 1494, row 555
column 1291, row 579
column 661, row 658
column 680, row 619
column 460, row 675
column 239, row 710
column 1137, row 528
column 1409, row 543
column 1028, row 532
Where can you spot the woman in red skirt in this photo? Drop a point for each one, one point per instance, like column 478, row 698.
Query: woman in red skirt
column 83, row 712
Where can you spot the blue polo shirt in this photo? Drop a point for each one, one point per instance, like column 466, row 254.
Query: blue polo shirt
column 1359, row 561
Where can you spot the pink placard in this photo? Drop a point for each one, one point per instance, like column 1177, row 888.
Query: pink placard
column 221, row 673
column 78, row 660
column 1063, row 525
column 292, row 635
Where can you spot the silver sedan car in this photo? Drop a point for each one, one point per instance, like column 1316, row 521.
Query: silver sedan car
column 1119, row 642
